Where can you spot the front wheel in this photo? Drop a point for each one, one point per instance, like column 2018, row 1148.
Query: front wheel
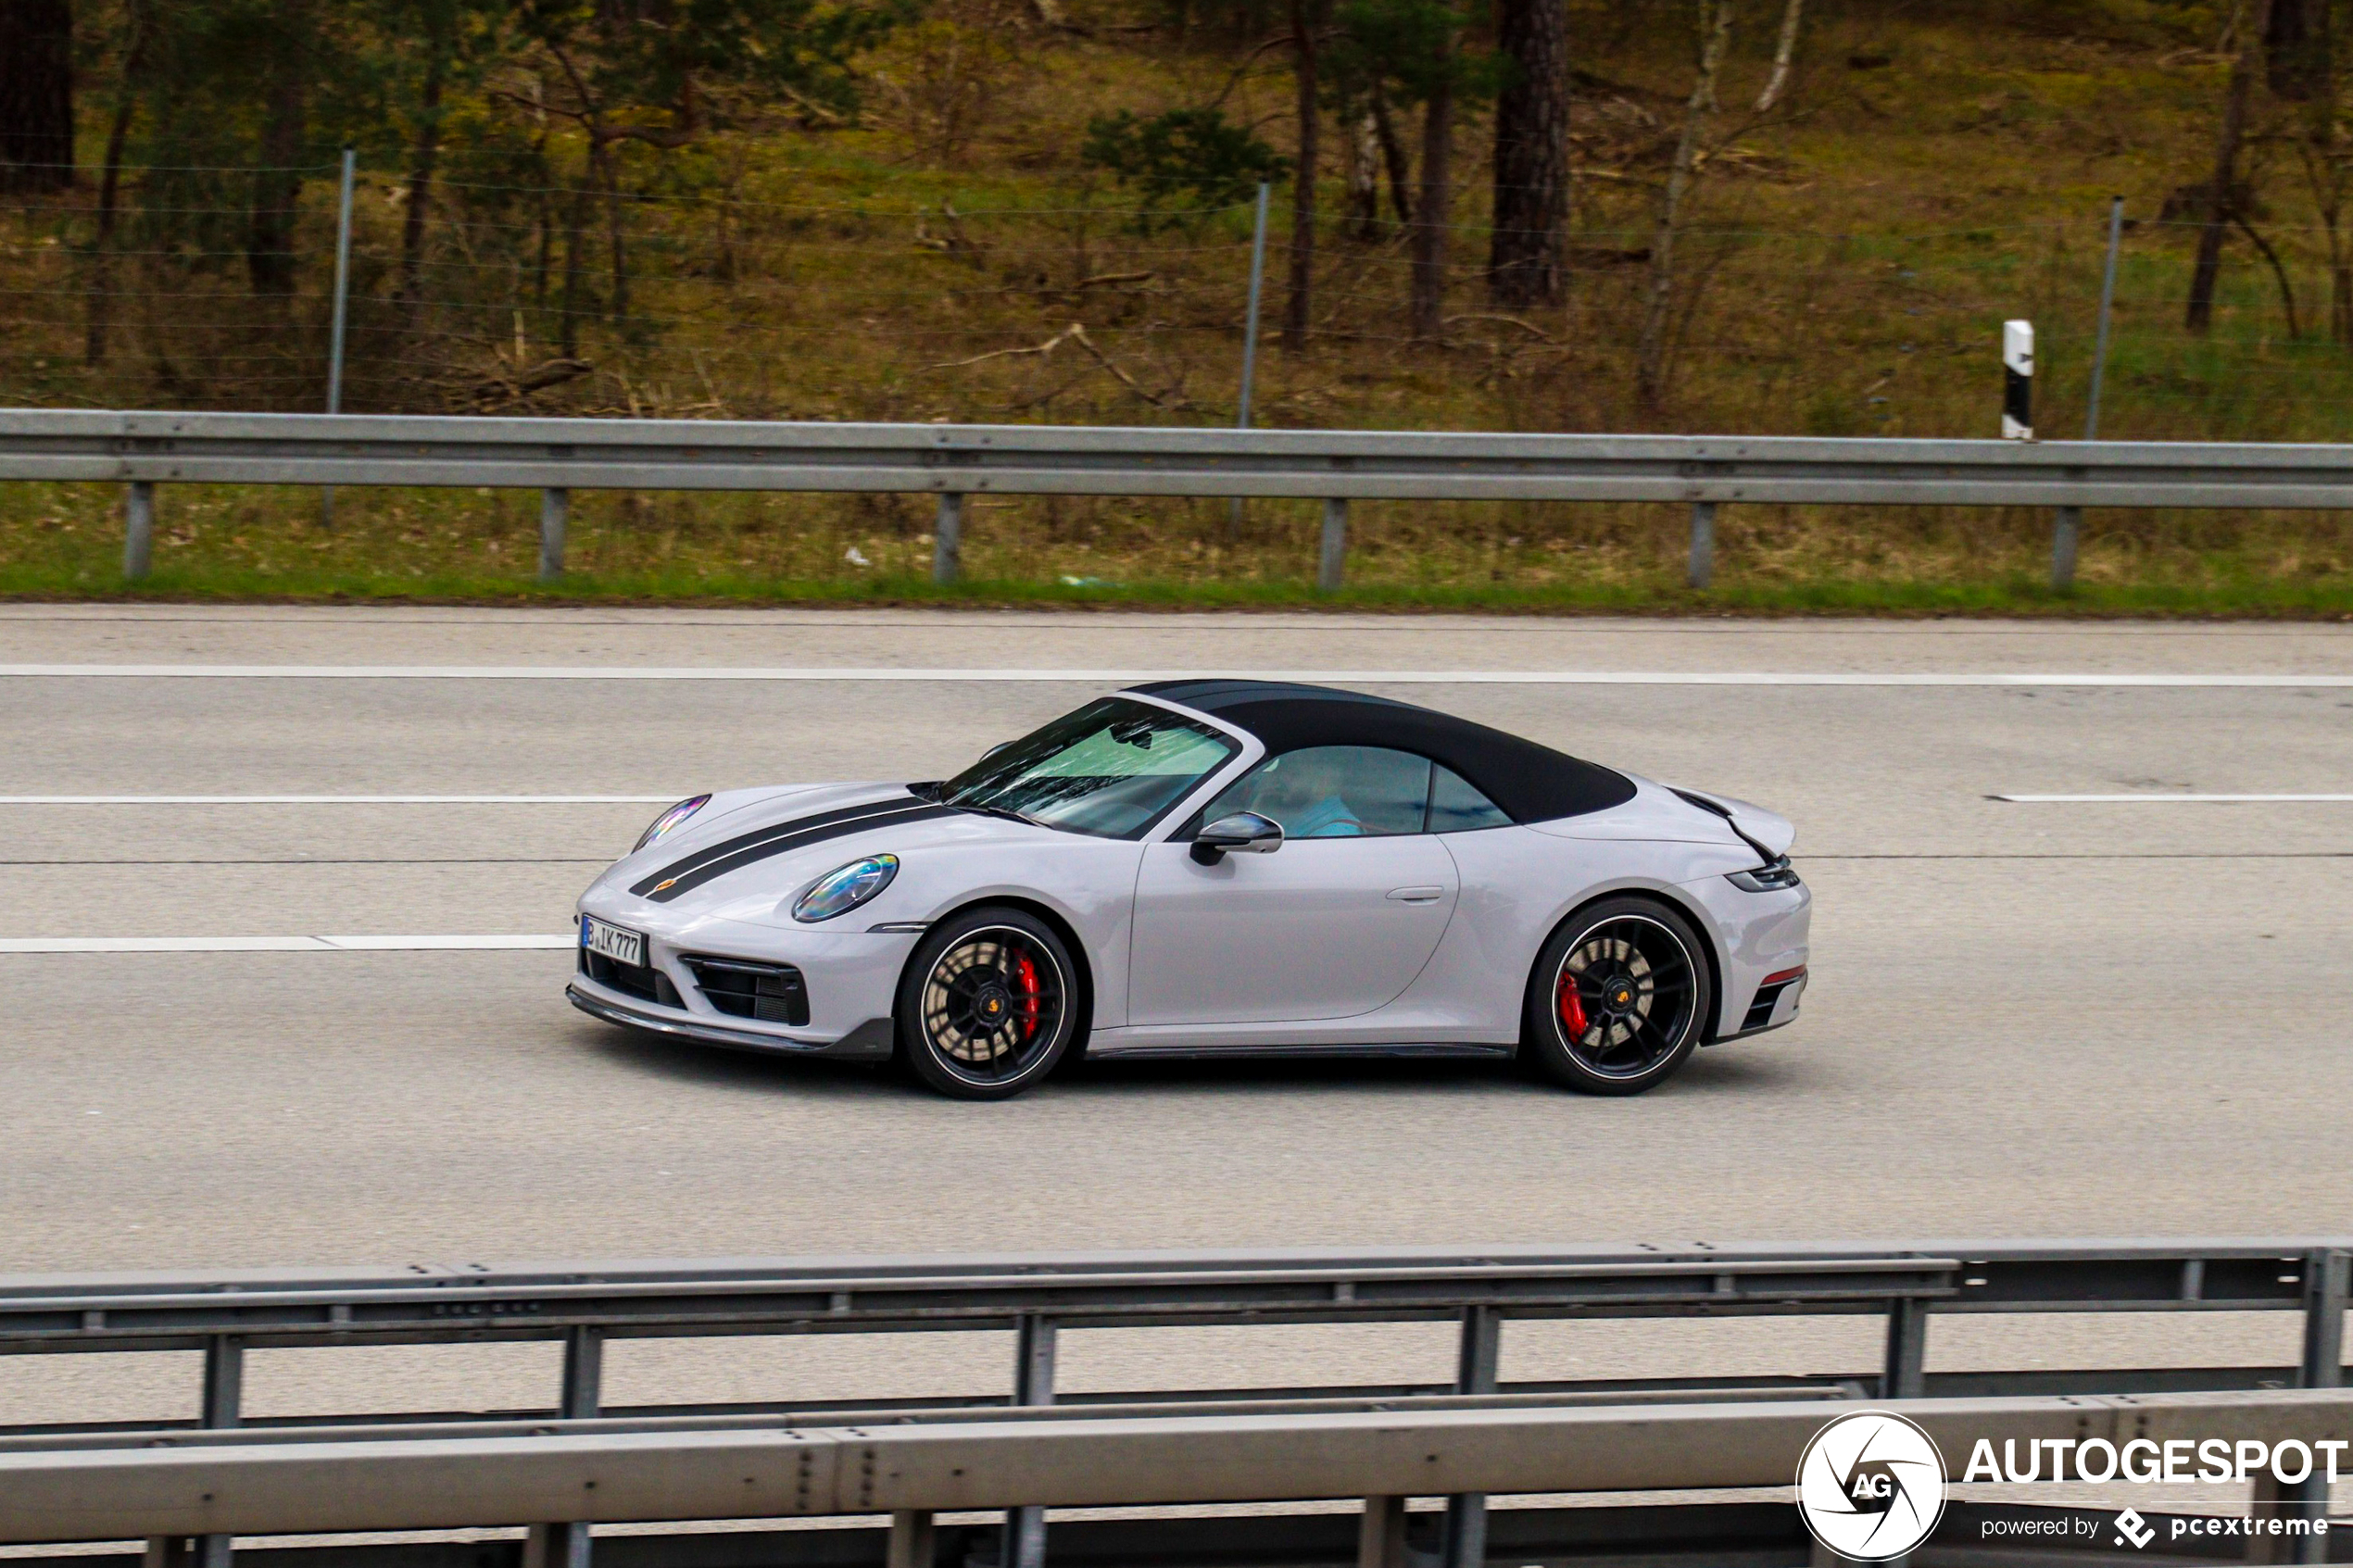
column 1619, row 998
column 988, row 1004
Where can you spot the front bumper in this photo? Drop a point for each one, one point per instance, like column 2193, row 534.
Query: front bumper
column 849, row 978
column 871, row 1041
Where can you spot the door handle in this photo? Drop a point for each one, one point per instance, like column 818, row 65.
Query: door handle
column 1417, row 895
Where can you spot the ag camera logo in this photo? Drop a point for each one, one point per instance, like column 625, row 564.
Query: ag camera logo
column 1871, row 1487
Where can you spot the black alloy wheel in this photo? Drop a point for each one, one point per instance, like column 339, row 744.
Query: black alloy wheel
column 986, row 1005
column 1619, row 998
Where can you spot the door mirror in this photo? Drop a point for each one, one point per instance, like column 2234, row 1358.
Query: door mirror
column 1244, row 833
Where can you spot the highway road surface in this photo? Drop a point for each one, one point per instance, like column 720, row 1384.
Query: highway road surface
column 2027, row 1016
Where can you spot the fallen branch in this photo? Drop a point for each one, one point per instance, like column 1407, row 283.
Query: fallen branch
column 1046, row 347
column 1507, row 321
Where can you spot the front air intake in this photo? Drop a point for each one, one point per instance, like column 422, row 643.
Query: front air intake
column 767, row 992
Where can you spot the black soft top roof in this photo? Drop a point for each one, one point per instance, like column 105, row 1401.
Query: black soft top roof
column 1530, row 782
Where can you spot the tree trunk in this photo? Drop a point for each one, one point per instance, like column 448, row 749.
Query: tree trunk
column 1305, row 22
column 2297, row 64
column 277, row 185
column 422, row 155
column 1784, row 51
column 1362, row 148
column 575, row 272
column 36, row 94
column 1392, row 152
column 1531, row 155
column 1650, row 364
column 101, row 314
column 1426, row 313
column 2199, row 316
column 608, row 159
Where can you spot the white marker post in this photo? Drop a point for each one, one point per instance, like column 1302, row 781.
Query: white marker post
column 2018, row 381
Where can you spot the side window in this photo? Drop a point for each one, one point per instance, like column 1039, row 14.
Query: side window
column 1334, row 792
column 1456, row 807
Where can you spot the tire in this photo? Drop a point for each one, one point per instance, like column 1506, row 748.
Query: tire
column 988, row 1004
column 1639, row 977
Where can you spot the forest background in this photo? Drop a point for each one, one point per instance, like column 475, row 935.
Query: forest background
column 1753, row 216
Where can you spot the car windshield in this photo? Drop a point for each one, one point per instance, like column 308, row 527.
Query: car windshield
column 1111, row 769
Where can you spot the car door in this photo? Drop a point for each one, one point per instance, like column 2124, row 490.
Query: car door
column 1335, row 923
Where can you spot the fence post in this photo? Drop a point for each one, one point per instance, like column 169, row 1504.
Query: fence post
column 948, row 538
column 335, row 340
column 1702, row 567
column 567, row 1545
column 1465, row 1541
column 555, row 511
column 1333, row 561
column 1033, row 1385
column 139, row 530
column 1906, row 1374
column 1250, row 333
column 2067, row 532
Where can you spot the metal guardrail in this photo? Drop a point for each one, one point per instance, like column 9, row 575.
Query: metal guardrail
column 1036, row 1297
column 914, row 1473
column 556, row 457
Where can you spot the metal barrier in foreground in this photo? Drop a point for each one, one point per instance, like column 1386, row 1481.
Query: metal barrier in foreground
column 143, row 450
column 1034, row 1297
column 911, row 1472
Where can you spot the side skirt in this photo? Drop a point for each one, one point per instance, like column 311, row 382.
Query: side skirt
column 1289, row 1053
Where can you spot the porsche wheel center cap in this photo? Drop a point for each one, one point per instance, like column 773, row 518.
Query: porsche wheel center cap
column 991, row 1003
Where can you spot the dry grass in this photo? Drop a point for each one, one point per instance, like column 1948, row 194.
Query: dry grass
column 1856, row 260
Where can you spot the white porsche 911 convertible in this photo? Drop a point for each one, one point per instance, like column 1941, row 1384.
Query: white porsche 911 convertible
column 1206, row 868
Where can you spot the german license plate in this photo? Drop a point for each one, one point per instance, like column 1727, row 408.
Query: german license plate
column 621, row 947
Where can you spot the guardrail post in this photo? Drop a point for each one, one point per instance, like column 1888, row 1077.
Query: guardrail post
column 1380, row 1539
column 2328, row 1270
column 224, row 1385
column 139, row 530
column 1033, row 1385
column 912, row 1539
column 1703, row 565
column 1333, row 561
column 555, row 511
column 567, row 1545
column 948, row 538
column 2067, row 532
column 1465, row 1541
column 1906, row 1374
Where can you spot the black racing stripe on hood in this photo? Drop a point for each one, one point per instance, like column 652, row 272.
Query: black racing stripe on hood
column 667, row 889
column 742, row 841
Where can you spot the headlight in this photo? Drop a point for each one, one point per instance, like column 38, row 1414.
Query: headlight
column 839, row 891
column 662, row 825
column 1778, row 877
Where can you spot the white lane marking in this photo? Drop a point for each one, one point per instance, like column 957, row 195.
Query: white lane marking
column 337, row 800
column 280, row 944
column 1131, row 677
column 2168, row 799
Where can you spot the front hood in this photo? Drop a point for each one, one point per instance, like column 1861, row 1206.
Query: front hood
column 751, row 861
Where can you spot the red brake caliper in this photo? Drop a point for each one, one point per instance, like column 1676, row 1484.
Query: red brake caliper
column 1572, row 1007
column 1026, row 976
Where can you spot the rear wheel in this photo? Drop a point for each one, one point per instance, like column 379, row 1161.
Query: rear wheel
column 988, row 1005
column 1619, row 998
